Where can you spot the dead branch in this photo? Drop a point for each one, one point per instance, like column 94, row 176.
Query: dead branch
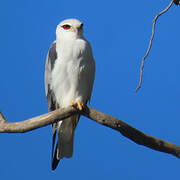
column 177, row 2
column 36, row 122
column 151, row 39
column 126, row 130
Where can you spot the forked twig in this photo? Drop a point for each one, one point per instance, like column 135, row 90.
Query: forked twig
column 150, row 42
column 2, row 119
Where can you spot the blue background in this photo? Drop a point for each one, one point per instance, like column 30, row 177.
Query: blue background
column 119, row 32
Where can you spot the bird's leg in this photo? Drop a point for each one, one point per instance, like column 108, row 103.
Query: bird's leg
column 72, row 103
column 80, row 105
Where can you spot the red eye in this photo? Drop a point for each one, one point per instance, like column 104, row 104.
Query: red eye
column 66, row 26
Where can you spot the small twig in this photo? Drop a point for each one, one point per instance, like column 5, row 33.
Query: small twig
column 150, row 43
column 2, row 119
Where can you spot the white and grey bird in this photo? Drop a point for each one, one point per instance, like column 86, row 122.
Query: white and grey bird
column 69, row 78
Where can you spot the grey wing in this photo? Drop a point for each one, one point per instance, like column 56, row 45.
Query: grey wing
column 92, row 69
column 91, row 78
column 51, row 100
column 50, row 61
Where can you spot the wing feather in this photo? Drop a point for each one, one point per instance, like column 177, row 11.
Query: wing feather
column 50, row 61
column 51, row 100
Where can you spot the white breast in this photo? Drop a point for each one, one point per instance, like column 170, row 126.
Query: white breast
column 73, row 72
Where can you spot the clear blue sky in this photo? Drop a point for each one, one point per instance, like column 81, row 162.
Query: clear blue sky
column 119, row 32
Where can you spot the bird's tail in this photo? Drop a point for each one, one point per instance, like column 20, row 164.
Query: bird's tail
column 64, row 145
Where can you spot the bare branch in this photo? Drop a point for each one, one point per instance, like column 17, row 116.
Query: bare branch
column 36, row 122
column 2, row 119
column 104, row 119
column 131, row 133
column 150, row 42
column 177, row 2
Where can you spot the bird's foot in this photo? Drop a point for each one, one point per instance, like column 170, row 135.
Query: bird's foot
column 79, row 105
column 72, row 103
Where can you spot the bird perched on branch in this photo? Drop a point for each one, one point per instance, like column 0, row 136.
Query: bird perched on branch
column 69, row 78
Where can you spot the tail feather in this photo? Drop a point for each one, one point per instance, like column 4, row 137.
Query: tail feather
column 55, row 161
column 64, row 145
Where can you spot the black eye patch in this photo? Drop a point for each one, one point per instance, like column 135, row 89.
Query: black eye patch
column 66, row 26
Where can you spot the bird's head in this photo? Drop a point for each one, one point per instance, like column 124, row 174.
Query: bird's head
column 70, row 29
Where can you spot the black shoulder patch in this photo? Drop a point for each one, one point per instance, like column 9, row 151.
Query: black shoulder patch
column 52, row 105
column 52, row 55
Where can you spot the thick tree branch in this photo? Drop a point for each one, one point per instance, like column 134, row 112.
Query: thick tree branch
column 36, row 122
column 104, row 119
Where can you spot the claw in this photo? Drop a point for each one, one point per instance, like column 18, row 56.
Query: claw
column 80, row 105
column 72, row 103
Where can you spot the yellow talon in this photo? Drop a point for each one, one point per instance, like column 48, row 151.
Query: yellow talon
column 80, row 105
column 72, row 103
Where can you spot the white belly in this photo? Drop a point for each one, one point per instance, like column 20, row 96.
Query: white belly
column 73, row 73
column 71, row 81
